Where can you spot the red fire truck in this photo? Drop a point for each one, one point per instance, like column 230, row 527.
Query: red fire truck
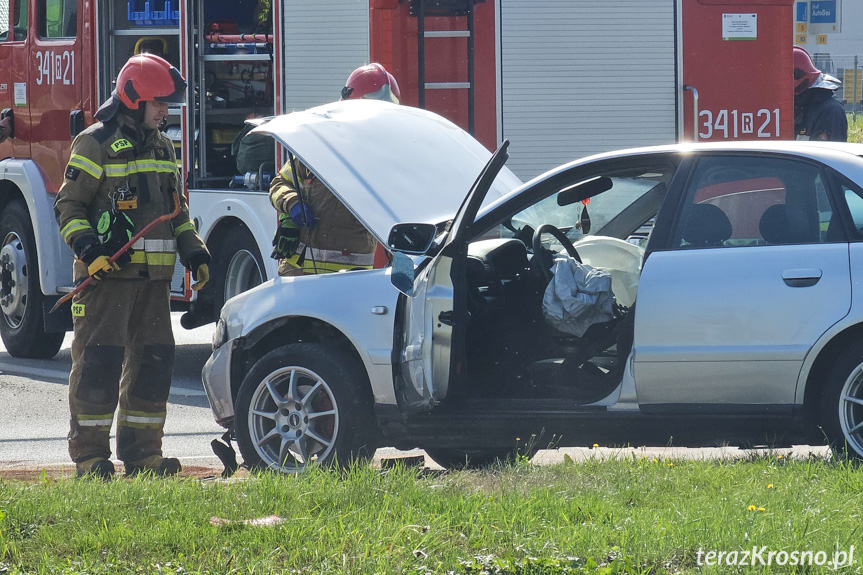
column 559, row 78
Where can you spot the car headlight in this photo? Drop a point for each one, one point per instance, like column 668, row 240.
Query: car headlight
column 220, row 336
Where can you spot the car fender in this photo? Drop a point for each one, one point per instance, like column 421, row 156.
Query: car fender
column 853, row 318
column 360, row 304
column 55, row 259
column 211, row 207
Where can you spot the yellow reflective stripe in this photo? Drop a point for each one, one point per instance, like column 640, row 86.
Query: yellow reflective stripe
column 155, row 258
column 322, row 267
column 101, row 420
column 86, row 165
column 286, row 172
column 74, row 226
column 141, row 418
column 140, row 166
column 183, row 228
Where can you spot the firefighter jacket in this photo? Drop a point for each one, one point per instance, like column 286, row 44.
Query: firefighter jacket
column 108, row 163
column 337, row 237
column 818, row 116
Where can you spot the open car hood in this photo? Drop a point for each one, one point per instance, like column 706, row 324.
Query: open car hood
column 388, row 163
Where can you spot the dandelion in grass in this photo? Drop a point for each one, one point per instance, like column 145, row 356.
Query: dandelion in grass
column 751, row 508
column 671, row 464
column 761, row 509
column 769, row 486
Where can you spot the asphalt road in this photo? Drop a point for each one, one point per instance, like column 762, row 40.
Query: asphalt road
column 35, row 407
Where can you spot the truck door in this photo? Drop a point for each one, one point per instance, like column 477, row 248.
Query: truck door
column 13, row 84
column 737, row 70
column 54, row 101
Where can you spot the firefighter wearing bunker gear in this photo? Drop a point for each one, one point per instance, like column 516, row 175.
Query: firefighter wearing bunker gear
column 316, row 232
column 817, row 115
column 121, row 176
column 319, row 235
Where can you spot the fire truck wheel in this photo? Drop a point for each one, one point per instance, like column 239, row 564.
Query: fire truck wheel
column 237, row 266
column 22, row 325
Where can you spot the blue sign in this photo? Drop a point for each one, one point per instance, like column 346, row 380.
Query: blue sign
column 823, row 12
column 802, row 15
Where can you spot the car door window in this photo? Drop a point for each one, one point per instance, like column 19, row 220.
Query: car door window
column 734, row 201
column 854, row 200
column 58, row 19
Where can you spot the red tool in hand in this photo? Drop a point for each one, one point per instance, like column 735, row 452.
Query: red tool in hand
column 122, row 250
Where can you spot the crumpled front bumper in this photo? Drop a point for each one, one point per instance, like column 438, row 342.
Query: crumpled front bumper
column 216, row 376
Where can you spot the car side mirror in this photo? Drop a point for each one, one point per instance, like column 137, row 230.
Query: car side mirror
column 412, row 238
column 402, row 274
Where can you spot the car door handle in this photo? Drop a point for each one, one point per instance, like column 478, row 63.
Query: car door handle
column 801, row 278
column 446, row 318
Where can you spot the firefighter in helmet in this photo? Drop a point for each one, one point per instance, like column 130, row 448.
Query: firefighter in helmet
column 317, row 233
column 121, row 176
column 817, row 115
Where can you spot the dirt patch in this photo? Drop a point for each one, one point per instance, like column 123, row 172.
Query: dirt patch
column 60, row 472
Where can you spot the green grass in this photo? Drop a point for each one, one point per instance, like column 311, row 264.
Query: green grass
column 633, row 515
column 855, row 129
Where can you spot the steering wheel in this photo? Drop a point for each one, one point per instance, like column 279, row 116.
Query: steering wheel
column 539, row 252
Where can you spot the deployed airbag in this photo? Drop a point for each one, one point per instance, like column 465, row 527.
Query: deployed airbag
column 577, row 296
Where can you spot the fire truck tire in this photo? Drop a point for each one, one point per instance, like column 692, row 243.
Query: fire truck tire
column 22, row 325
column 237, row 266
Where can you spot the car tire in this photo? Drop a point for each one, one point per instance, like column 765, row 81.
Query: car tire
column 454, row 458
column 304, row 403
column 22, row 325
column 841, row 415
column 237, row 266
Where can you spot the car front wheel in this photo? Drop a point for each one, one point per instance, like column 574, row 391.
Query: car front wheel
column 304, row 403
column 842, row 408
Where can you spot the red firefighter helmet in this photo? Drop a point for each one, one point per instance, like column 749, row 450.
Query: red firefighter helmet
column 805, row 72
column 371, row 81
column 144, row 77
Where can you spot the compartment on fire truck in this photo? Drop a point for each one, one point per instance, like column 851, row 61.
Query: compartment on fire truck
column 229, row 70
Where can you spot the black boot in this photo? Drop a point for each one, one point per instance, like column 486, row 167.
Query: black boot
column 155, row 465
column 96, row 468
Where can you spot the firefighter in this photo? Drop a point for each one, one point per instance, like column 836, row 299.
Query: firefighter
column 122, row 175
column 817, row 115
column 317, row 233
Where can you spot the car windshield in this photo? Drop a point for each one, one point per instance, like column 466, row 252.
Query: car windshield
column 607, row 197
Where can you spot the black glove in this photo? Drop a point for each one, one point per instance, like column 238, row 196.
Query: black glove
column 91, row 251
column 196, row 261
column 87, row 248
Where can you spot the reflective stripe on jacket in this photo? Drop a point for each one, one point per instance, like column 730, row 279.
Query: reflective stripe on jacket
column 106, row 158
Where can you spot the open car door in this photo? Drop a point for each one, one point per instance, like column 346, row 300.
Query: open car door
column 435, row 315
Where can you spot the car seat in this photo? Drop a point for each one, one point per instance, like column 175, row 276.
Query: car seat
column 784, row 224
column 706, row 226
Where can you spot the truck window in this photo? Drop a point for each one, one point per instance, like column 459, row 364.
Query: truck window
column 19, row 22
column 4, row 20
column 58, row 19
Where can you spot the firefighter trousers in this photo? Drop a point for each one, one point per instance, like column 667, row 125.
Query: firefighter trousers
column 122, row 352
